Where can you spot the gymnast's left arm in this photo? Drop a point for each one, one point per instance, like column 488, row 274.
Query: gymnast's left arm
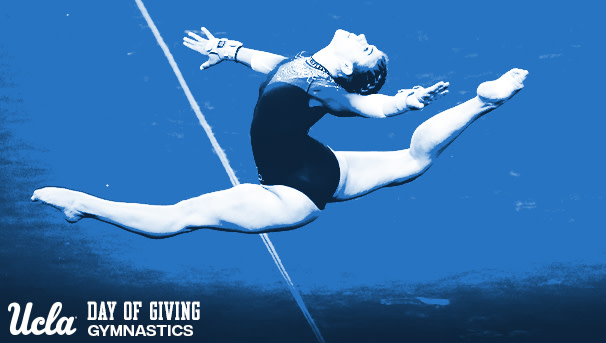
column 341, row 103
column 222, row 49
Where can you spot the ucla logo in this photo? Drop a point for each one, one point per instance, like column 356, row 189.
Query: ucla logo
column 38, row 326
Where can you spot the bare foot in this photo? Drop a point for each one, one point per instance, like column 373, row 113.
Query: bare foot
column 62, row 199
column 502, row 89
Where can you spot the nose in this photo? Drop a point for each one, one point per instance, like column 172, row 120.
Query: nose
column 362, row 38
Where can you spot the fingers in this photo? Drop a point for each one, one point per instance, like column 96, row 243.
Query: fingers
column 195, row 47
column 415, row 104
column 429, row 94
column 196, row 37
column 189, row 43
column 193, row 43
column 438, row 92
column 207, row 33
column 438, row 87
column 212, row 60
column 429, row 97
column 443, row 86
column 200, row 44
column 189, row 40
column 205, row 65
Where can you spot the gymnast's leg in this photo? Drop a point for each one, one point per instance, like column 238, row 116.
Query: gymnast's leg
column 364, row 172
column 244, row 208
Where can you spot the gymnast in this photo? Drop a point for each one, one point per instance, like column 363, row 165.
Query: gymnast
column 299, row 175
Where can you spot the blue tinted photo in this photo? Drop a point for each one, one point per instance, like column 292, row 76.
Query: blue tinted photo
column 347, row 171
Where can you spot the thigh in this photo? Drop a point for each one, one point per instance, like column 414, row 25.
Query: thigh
column 365, row 171
column 249, row 208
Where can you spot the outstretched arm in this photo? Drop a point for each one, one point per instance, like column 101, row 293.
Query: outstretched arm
column 260, row 61
column 341, row 103
column 221, row 49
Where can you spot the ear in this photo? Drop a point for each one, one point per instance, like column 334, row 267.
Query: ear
column 347, row 68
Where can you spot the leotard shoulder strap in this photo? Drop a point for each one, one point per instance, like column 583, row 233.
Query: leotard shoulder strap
column 303, row 72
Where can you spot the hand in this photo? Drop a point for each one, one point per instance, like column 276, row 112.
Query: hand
column 217, row 49
column 419, row 97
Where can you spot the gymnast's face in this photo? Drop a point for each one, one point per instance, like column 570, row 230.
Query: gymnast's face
column 355, row 48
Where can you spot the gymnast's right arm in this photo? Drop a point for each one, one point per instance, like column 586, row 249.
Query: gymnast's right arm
column 221, row 49
column 261, row 61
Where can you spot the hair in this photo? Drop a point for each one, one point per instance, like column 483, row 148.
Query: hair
column 364, row 80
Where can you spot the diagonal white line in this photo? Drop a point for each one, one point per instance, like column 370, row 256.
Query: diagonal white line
column 225, row 162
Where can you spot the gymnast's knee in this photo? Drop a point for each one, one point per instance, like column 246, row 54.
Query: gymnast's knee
column 289, row 209
column 414, row 167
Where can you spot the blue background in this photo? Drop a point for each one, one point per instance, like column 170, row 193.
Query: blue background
column 502, row 240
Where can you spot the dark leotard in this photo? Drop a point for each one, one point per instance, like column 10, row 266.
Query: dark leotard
column 284, row 152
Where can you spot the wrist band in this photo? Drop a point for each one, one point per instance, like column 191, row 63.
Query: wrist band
column 402, row 105
column 236, row 54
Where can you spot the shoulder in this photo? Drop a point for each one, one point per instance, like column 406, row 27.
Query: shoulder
column 334, row 98
column 300, row 72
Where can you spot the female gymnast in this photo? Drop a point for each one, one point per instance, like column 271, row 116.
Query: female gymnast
column 299, row 175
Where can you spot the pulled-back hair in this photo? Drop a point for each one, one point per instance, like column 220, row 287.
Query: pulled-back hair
column 364, row 80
